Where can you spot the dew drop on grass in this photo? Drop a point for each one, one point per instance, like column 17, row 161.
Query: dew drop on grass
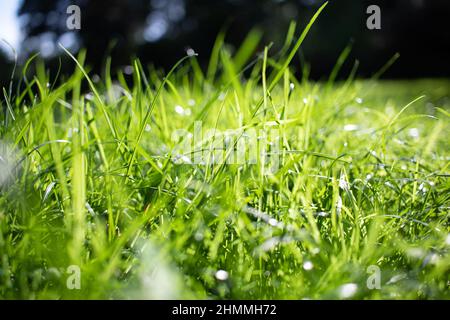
column 90, row 210
column 322, row 214
column 190, row 52
column 432, row 258
column 388, row 184
column 414, row 133
column 343, row 184
column 182, row 160
column 89, row 96
column 96, row 78
column 351, row 127
column 396, row 278
column 179, row 109
column 222, row 96
column 339, row 205
column 198, row 236
column 348, row 290
column 308, row 265
column 221, row 275
column 422, row 188
column 48, row 190
column 71, row 131
column 128, row 70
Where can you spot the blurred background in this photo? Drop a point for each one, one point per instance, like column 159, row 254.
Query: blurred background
column 160, row 31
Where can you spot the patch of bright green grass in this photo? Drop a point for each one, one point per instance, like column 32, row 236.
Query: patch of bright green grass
column 94, row 179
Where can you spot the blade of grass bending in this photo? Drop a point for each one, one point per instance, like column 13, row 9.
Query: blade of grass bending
column 214, row 60
column 340, row 62
column 384, row 68
column 291, row 55
column 296, row 47
column 149, row 112
column 94, row 90
column 247, row 48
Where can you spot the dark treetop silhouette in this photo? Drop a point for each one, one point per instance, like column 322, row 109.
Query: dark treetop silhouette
column 159, row 31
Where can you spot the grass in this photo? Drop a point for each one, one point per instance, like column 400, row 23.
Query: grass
column 95, row 178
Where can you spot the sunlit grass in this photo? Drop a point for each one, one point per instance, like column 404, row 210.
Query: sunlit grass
column 90, row 176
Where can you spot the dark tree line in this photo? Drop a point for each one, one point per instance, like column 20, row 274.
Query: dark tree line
column 159, row 31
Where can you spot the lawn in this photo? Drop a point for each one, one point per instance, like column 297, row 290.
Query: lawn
column 223, row 184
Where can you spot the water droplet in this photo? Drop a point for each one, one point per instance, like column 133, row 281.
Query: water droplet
column 198, row 236
column 339, row 205
column 89, row 96
column 190, row 52
column 433, row 258
column 351, row 127
column 343, row 184
column 396, row 278
column 221, row 275
column 273, row 222
column 128, row 70
column 179, row 109
column 414, row 133
column 181, row 159
column 348, row 290
column 308, row 265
